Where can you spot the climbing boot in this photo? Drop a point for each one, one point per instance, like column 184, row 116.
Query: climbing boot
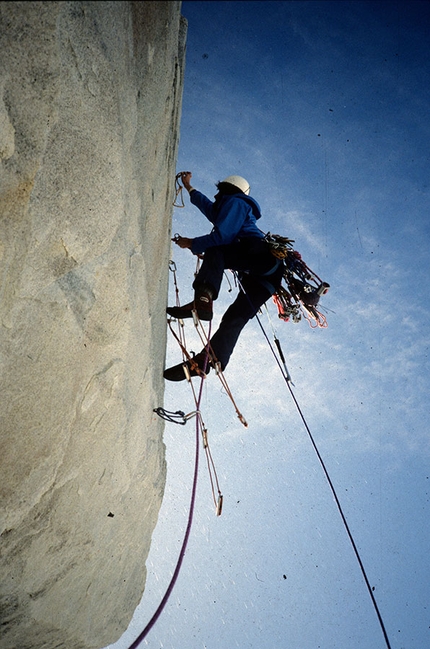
column 202, row 304
column 192, row 367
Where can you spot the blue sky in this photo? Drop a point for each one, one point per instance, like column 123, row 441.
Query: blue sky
column 324, row 108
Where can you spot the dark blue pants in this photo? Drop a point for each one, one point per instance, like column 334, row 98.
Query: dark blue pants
column 260, row 275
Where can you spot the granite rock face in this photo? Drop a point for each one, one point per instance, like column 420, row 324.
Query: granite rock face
column 90, row 101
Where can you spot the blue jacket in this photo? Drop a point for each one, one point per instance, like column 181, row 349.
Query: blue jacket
column 233, row 217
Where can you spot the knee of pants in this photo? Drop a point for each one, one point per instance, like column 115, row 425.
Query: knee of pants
column 239, row 312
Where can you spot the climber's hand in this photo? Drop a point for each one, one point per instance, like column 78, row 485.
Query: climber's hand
column 182, row 242
column 186, row 178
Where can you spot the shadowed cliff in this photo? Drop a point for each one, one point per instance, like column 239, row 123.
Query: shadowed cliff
column 90, row 100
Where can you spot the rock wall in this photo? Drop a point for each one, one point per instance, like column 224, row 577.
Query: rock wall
column 90, row 100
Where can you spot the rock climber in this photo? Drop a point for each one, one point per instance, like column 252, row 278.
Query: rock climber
column 235, row 243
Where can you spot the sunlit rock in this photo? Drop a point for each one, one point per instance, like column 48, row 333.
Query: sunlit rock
column 90, row 99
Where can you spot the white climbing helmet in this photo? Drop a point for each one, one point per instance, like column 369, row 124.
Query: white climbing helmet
column 239, row 182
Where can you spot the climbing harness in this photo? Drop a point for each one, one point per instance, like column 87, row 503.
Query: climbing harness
column 303, row 287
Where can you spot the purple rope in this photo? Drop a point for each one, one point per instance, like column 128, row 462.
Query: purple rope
column 169, row 590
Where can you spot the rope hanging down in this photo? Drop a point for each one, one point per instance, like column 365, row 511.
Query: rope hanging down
column 181, row 418
column 287, row 380
column 175, row 575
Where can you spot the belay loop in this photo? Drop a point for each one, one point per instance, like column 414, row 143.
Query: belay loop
column 303, row 287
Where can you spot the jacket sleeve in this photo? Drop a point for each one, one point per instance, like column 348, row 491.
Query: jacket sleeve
column 229, row 221
column 203, row 203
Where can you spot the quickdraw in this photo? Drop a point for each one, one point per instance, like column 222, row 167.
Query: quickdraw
column 178, row 191
column 177, row 417
column 303, row 287
column 279, row 246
